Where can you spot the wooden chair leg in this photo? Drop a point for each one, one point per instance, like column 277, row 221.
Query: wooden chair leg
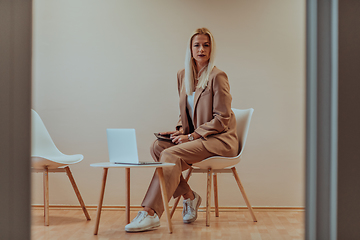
column 178, row 198
column 127, row 195
column 46, row 196
column 216, row 199
column 176, row 202
column 77, row 192
column 208, row 196
column 98, row 213
column 242, row 190
column 164, row 197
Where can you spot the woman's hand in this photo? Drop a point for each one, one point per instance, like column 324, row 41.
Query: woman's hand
column 180, row 139
column 173, row 133
column 167, row 133
column 184, row 138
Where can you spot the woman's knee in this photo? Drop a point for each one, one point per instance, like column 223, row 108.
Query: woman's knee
column 154, row 146
column 168, row 155
column 155, row 150
column 158, row 147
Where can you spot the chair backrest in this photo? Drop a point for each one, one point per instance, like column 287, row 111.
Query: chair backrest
column 41, row 142
column 243, row 118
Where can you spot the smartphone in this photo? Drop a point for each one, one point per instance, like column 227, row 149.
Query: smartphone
column 163, row 137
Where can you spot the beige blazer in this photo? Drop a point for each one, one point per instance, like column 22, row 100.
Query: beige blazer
column 213, row 118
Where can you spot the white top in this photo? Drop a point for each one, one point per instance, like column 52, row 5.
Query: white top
column 190, row 105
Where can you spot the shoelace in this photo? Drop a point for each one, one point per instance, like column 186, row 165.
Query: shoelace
column 139, row 215
column 188, row 208
column 184, row 208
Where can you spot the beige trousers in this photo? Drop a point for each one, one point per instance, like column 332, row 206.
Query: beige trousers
column 183, row 155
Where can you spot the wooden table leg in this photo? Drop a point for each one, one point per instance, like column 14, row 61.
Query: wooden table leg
column 127, row 195
column 164, row 197
column 98, row 213
column 46, row 196
column 77, row 192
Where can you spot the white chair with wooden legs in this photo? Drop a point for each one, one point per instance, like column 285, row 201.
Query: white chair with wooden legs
column 218, row 164
column 45, row 158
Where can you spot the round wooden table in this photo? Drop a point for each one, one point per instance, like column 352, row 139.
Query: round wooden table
column 159, row 168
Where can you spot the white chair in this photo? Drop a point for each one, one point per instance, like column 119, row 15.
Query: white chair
column 45, row 158
column 218, row 164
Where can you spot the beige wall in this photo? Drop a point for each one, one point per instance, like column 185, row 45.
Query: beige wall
column 113, row 64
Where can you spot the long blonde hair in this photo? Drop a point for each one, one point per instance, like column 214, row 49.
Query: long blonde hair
column 190, row 65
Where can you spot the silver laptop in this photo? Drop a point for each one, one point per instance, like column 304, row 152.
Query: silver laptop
column 122, row 146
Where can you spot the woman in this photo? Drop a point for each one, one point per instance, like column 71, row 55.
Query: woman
column 207, row 127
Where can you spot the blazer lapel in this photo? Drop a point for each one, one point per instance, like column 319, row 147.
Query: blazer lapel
column 182, row 106
column 196, row 99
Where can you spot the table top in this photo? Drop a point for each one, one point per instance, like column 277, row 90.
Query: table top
column 116, row 165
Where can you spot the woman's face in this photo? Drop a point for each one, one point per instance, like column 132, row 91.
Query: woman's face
column 201, row 49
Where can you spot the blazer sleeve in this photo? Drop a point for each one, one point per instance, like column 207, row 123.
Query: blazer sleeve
column 221, row 107
column 179, row 123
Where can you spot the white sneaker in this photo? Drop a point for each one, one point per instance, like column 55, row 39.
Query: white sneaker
column 190, row 208
column 142, row 222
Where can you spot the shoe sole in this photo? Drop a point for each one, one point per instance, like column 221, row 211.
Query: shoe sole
column 143, row 229
column 197, row 208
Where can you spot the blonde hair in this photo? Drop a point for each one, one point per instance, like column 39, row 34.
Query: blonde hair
column 190, row 65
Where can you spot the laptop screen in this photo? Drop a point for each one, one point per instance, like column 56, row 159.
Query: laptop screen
column 122, row 145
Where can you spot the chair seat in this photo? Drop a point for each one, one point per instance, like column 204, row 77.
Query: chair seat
column 217, row 162
column 55, row 161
